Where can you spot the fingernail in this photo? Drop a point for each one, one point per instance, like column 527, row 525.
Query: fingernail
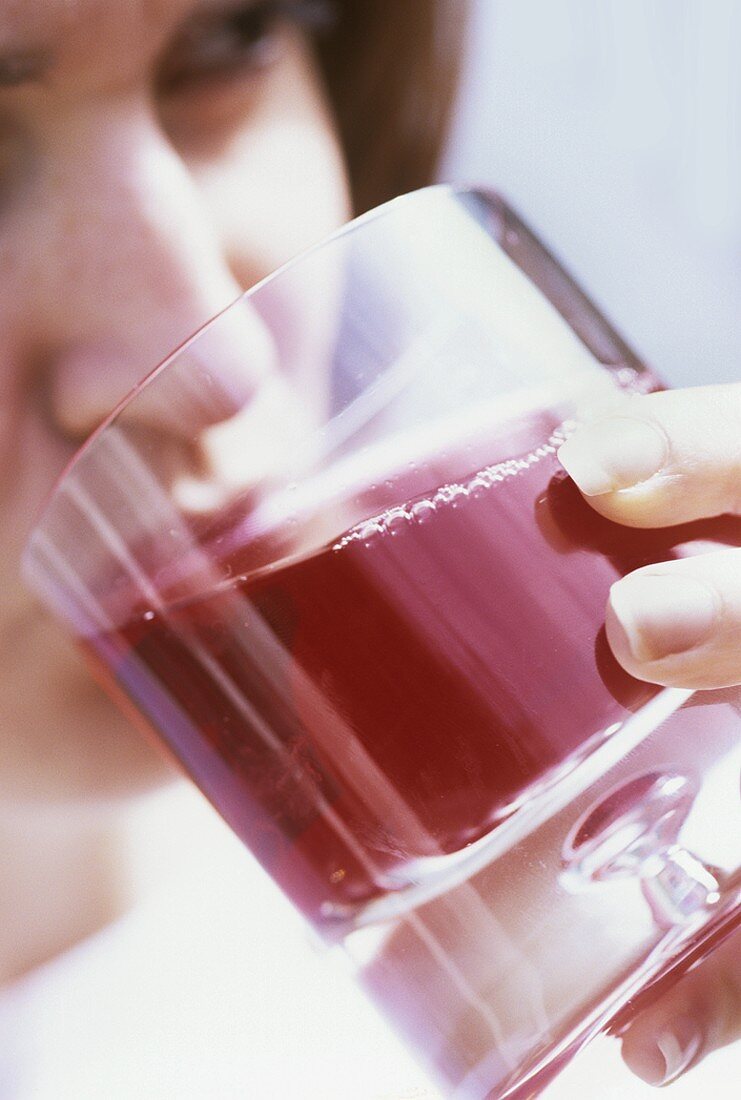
column 614, row 453
column 666, row 1057
column 663, row 615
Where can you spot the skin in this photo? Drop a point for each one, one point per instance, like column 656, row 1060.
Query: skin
column 130, row 212
column 670, row 458
column 80, row 319
column 138, row 195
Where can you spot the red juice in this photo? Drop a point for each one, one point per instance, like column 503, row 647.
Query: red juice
column 394, row 695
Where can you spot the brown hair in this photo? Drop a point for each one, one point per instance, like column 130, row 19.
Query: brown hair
column 392, row 68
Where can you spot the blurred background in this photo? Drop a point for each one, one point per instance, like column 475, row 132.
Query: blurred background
column 614, row 126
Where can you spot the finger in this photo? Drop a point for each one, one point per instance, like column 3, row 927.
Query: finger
column 700, row 1014
column 662, row 458
column 679, row 623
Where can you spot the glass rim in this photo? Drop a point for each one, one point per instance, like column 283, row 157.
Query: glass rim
column 344, row 230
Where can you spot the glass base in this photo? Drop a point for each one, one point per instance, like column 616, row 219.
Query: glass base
column 660, row 971
column 427, row 878
column 497, row 976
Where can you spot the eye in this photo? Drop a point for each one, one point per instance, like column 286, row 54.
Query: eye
column 236, row 42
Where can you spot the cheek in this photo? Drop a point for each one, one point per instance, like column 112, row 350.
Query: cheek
column 275, row 192
column 279, row 188
column 9, row 415
column 293, row 193
column 64, row 742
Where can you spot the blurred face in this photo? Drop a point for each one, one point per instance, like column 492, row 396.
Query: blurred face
column 156, row 156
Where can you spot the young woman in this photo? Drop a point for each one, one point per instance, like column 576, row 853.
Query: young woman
column 155, row 159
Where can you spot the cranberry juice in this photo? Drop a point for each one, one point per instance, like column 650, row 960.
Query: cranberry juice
column 395, row 694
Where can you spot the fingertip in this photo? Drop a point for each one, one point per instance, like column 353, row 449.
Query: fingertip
column 677, row 623
column 614, row 453
column 660, row 1054
column 663, row 613
column 644, row 1060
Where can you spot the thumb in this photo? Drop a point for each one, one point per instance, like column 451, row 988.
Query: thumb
column 701, row 1013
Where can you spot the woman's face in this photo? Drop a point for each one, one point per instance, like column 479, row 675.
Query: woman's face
column 155, row 158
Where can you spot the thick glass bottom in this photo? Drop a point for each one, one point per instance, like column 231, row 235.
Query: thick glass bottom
column 498, row 980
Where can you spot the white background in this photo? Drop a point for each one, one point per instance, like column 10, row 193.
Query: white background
column 614, row 126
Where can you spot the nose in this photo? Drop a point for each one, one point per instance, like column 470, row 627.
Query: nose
column 130, row 267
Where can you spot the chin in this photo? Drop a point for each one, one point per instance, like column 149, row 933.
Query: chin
column 65, row 741
column 101, row 761
column 118, row 756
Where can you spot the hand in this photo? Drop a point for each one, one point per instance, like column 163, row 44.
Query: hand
column 663, row 459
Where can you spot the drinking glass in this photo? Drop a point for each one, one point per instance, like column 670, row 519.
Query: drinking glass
column 328, row 553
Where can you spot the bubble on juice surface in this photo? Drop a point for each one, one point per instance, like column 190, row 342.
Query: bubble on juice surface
column 367, row 532
column 423, row 510
column 395, row 519
column 453, row 494
column 479, row 485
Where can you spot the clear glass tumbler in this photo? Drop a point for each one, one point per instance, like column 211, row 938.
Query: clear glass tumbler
column 328, row 552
